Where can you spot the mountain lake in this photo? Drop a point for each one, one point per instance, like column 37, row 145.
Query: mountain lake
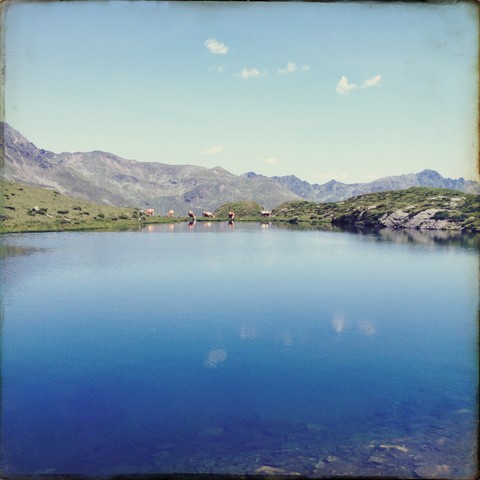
column 245, row 349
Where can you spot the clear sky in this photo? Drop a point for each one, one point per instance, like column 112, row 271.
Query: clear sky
column 350, row 91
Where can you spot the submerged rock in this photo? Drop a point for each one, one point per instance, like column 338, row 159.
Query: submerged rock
column 267, row 470
column 433, row 471
column 400, row 448
column 376, row 459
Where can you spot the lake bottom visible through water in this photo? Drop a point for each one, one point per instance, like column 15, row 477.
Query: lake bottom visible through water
column 253, row 350
column 311, row 449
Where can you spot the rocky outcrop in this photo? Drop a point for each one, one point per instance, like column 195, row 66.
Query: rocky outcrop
column 416, row 208
column 424, row 220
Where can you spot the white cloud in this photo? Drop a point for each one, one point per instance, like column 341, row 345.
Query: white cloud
column 267, row 160
column 271, row 161
column 372, row 82
column 212, row 150
column 215, row 46
column 344, row 86
column 305, row 68
column 290, row 68
column 251, row 72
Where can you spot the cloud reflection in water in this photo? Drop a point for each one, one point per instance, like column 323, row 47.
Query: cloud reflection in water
column 368, row 328
column 338, row 323
column 215, row 357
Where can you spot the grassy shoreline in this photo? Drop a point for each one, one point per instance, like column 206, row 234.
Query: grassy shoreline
column 25, row 209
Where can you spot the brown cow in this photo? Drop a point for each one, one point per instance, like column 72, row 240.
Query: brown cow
column 192, row 215
column 170, row 213
column 208, row 214
column 231, row 215
column 265, row 213
column 149, row 212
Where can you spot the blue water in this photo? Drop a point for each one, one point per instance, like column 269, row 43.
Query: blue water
column 234, row 350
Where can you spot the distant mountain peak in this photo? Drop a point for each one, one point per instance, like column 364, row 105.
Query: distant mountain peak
column 9, row 134
column 429, row 174
column 331, row 182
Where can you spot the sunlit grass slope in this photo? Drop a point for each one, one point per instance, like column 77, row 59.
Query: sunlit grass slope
column 25, row 209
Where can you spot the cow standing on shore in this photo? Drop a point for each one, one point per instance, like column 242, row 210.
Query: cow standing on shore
column 170, row 214
column 231, row 215
column 149, row 212
column 265, row 213
column 192, row 216
column 208, row 214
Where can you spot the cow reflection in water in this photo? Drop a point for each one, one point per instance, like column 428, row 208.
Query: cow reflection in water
column 231, row 223
column 193, row 219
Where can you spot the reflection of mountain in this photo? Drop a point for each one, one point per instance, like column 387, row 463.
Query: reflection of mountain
column 429, row 238
column 13, row 272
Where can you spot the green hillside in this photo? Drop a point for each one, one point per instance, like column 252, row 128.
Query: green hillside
column 30, row 209
column 417, row 207
column 241, row 210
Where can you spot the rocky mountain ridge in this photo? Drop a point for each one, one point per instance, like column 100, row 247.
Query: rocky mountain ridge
column 107, row 179
column 334, row 191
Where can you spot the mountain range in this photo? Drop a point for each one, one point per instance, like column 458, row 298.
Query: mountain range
column 105, row 178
